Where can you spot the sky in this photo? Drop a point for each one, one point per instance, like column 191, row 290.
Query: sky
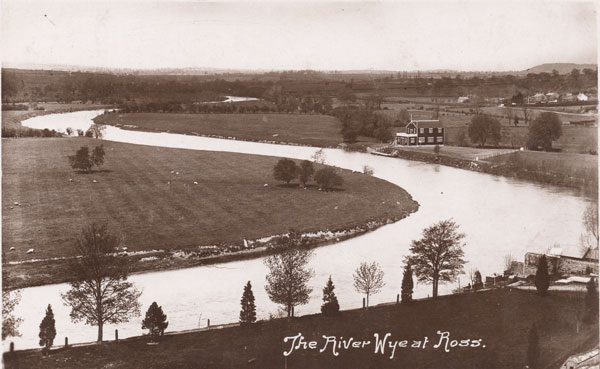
column 398, row 36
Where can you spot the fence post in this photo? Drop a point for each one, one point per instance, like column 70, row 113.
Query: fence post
column 66, row 341
column 397, row 298
column 12, row 347
column 363, row 302
column 116, row 335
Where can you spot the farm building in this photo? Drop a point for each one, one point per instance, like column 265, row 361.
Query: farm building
column 557, row 263
column 421, row 132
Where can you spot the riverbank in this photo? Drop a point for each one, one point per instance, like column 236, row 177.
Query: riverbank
column 11, row 119
column 174, row 208
column 578, row 171
column 496, row 322
column 39, row 272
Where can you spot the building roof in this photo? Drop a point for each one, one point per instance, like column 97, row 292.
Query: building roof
column 427, row 123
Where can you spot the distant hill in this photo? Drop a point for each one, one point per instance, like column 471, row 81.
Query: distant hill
column 562, row 68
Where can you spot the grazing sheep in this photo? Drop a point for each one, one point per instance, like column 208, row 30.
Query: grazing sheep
column 266, row 185
column 195, row 182
column 94, row 181
column 30, row 251
column 12, row 249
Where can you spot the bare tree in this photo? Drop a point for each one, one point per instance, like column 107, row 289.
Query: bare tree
column 438, row 256
column 510, row 115
column 97, row 130
column 590, row 221
column 100, row 292
column 287, row 281
column 368, row 279
column 508, row 260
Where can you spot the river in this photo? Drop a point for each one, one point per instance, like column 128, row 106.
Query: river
column 500, row 216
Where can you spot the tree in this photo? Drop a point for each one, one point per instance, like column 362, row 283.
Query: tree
column 287, row 280
column 436, row 150
column 155, row 321
column 543, row 130
column 368, row 279
column 47, row 330
column 407, row 284
column 527, row 114
column 438, row 256
column 248, row 312
column 483, row 128
column 10, row 299
column 97, row 130
column 533, row 349
column 590, row 221
column 84, row 161
column 477, row 281
column 285, row 170
column 327, row 178
column 591, row 301
column 330, row 306
column 100, row 292
column 69, row 130
column 542, row 280
column 97, row 156
column 305, row 172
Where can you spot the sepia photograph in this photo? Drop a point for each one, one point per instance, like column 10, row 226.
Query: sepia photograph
column 299, row 184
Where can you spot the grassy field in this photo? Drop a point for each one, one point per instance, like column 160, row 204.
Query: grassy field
column 148, row 195
column 500, row 318
column 304, row 129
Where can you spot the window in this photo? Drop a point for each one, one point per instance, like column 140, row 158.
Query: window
column 421, row 139
column 430, row 139
column 440, row 139
column 439, row 130
column 412, row 140
column 430, row 130
column 422, row 130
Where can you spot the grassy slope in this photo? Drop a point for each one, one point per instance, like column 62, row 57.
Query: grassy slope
column 502, row 318
column 313, row 130
column 134, row 197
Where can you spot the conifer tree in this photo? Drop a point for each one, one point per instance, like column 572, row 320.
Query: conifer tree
column 330, row 305
column 155, row 321
column 542, row 280
column 47, row 330
column 248, row 312
column 533, row 350
column 407, row 284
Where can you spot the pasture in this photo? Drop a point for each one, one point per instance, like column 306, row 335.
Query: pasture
column 149, row 195
column 304, row 129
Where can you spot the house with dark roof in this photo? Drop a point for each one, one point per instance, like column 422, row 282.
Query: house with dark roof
column 421, row 132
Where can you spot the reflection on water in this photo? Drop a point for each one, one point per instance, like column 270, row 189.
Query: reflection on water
column 500, row 216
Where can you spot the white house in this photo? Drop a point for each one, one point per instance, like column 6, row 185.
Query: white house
column 582, row 97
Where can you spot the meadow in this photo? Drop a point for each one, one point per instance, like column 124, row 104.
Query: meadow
column 500, row 319
column 304, row 129
column 165, row 199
